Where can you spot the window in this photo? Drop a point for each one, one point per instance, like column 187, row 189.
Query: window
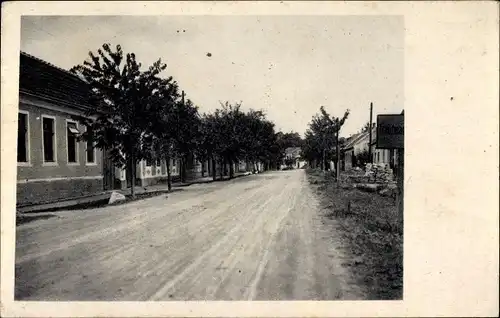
column 378, row 156
column 49, row 140
column 90, row 146
column 71, row 139
column 158, row 162
column 149, row 162
column 174, row 162
column 22, row 138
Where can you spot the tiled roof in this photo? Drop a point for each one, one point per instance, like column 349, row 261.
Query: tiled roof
column 358, row 137
column 51, row 83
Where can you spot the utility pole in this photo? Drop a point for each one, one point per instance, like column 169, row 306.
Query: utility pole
column 337, row 150
column 400, row 181
column 183, row 163
column 370, row 133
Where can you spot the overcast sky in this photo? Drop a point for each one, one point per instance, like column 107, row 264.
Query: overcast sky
column 287, row 65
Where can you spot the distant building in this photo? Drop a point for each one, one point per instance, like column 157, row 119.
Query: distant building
column 357, row 146
column 381, row 156
column 293, row 155
column 354, row 146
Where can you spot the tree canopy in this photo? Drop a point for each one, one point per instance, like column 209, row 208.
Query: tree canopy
column 322, row 141
column 140, row 114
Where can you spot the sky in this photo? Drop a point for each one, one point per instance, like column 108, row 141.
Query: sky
column 288, row 66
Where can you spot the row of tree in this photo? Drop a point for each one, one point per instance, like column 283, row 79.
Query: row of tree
column 140, row 115
column 322, row 143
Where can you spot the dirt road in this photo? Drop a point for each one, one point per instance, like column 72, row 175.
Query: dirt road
column 254, row 238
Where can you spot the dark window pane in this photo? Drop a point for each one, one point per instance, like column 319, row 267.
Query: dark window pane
column 90, row 146
column 90, row 155
column 72, row 144
column 48, row 139
column 71, row 149
column 22, row 130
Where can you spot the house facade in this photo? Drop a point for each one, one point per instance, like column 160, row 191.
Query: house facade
column 292, row 154
column 51, row 163
column 382, row 156
column 359, row 144
column 354, row 146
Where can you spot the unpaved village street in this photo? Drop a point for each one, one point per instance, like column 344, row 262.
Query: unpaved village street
column 253, row 238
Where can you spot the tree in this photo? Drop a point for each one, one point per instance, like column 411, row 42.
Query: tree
column 335, row 123
column 162, row 129
column 205, row 142
column 208, row 139
column 291, row 139
column 186, row 123
column 227, row 125
column 231, row 135
column 321, row 138
column 121, row 95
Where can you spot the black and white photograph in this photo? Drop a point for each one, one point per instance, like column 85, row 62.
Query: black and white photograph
column 159, row 158
column 188, row 157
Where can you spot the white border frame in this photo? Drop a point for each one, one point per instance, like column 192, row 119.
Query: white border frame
column 87, row 163
column 77, row 146
column 54, row 140
column 28, row 139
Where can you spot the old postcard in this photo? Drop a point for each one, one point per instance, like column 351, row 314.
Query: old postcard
column 249, row 159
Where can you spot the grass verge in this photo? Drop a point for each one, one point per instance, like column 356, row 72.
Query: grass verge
column 372, row 232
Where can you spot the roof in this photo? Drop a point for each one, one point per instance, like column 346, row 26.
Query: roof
column 51, row 83
column 293, row 151
column 354, row 139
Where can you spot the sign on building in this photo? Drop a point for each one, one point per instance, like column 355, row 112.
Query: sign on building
column 390, row 131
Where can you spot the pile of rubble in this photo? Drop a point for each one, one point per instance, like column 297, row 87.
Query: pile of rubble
column 377, row 178
column 379, row 173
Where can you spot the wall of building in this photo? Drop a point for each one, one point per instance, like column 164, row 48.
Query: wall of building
column 381, row 156
column 44, row 182
column 361, row 145
column 157, row 174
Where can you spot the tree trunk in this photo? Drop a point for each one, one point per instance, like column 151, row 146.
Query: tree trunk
column 183, row 169
column 132, row 172
column 221, row 168
column 214, row 171
column 231, row 169
column 181, row 178
column 323, row 166
column 337, row 163
column 169, row 178
column 202, row 168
